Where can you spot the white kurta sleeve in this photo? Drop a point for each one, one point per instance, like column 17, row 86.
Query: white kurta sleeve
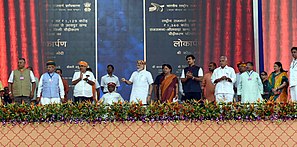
column 32, row 77
column 150, row 79
column 92, row 77
column 239, row 88
column 10, row 80
column 200, row 72
column 103, row 99
column 132, row 77
column 117, row 82
column 102, row 81
column 75, row 76
column 183, row 74
column 97, row 84
column 233, row 76
column 40, row 85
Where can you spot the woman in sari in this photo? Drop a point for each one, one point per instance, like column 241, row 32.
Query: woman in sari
column 168, row 89
column 278, row 81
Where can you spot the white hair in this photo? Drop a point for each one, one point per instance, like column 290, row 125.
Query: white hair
column 224, row 58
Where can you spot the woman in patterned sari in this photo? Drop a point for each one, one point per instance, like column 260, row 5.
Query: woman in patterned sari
column 168, row 89
column 279, row 83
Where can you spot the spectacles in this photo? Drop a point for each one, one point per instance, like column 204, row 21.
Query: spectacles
column 263, row 74
column 81, row 66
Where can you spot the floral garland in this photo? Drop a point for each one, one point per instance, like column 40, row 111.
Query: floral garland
column 156, row 111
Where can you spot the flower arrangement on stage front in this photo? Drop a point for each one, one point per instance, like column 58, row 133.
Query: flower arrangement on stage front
column 160, row 112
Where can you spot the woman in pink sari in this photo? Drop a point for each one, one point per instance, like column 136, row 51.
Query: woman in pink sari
column 169, row 85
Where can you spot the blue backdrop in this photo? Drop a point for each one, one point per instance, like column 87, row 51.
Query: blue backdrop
column 120, row 32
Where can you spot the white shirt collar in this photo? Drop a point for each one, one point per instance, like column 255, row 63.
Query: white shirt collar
column 110, row 76
column 224, row 67
column 140, row 70
column 250, row 71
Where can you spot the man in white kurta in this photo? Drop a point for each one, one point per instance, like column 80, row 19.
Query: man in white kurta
column 224, row 78
column 293, row 75
column 83, row 81
column 141, row 81
column 250, row 87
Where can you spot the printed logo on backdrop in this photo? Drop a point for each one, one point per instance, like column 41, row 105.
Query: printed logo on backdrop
column 176, row 27
column 156, row 7
column 69, row 34
column 87, row 7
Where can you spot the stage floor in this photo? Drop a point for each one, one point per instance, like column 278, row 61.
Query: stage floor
column 207, row 133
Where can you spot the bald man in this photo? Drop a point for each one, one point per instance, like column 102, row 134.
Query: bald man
column 224, row 77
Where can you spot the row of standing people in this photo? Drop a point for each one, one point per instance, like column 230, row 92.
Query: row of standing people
column 24, row 87
column 250, row 87
column 221, row 84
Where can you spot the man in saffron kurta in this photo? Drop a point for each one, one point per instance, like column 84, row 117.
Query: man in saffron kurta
column 250, row 87
column 208, row 87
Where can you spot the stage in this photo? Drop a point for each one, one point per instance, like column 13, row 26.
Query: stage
column 183, row 133
column 157, row 124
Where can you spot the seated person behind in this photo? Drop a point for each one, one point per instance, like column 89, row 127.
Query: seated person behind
column 111, row 96
column 6, row 97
